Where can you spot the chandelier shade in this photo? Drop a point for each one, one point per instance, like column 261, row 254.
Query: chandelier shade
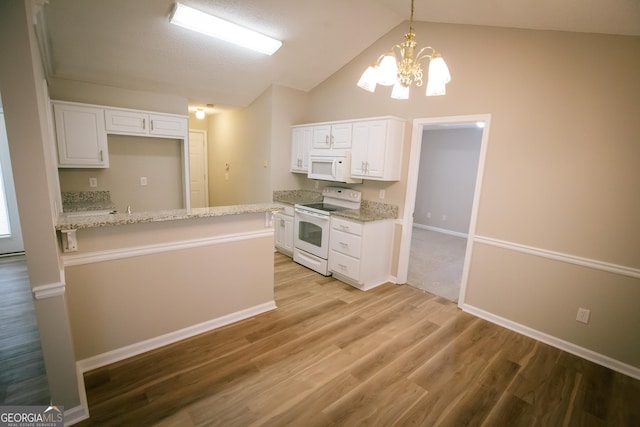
column 401, row 67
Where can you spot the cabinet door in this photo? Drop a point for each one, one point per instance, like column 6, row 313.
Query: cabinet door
column 359, row 149
column 288, row 233
column 301, row 141
column 126, row 122
column 160, row 125
column 81, row 136
column 283, row 230
column 322, row 136
column 376, row 148
column 341, row 135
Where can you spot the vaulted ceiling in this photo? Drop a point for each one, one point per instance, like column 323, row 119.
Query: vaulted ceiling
column 130, row 44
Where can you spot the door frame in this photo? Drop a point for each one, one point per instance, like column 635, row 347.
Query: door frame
column 12, row 244
column 206, row 161
column 412, row 187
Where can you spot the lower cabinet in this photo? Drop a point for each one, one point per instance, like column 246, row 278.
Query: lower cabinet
column 360, row 252
column 283, row 230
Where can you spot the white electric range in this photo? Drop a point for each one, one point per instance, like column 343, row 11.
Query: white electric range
column 311, row 226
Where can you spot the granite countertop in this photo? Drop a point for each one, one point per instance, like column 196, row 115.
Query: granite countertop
column 77, row 221
column 369, row 211
column 294, row 197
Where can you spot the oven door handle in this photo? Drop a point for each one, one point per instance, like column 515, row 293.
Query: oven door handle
column 311, row 214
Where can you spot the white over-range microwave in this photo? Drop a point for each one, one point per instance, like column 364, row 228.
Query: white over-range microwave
column 331, row 165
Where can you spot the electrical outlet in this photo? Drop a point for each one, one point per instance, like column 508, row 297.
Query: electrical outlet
column 583, row 315
column 93, row 182
column 444, row 217
column 382, row 194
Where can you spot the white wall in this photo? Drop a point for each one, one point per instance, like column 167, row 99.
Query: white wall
column 447, row 178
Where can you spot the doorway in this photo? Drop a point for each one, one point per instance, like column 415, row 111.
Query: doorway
column 443, row 188
column 10, row 231
column 198, row 169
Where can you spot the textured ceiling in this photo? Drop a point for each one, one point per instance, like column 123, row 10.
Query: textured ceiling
column 131, row 44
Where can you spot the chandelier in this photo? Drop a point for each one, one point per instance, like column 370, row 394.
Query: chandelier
column 404, row 67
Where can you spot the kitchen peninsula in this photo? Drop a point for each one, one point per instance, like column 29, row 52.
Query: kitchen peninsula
column 142, row 280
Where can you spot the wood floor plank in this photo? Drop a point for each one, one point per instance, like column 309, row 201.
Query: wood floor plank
column 331, row 354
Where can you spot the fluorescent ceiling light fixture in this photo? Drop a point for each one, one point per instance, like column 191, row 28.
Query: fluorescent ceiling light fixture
column 213, row 26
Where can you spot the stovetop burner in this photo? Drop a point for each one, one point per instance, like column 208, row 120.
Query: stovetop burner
column 324, row 207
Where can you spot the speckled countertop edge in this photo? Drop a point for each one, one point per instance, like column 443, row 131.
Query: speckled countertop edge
column 369, row 210
column 76, row 221
column 363, row 215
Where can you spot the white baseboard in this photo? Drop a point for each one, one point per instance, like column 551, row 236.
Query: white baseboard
column 441, row 230
column 585, row 353
column 82, row 412
column 75, row 415
column 116, row 355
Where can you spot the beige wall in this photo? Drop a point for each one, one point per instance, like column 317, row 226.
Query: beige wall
column 26, row 108
column 89, row 93
column 119, row 302
column 130, row 158
column 561, row 170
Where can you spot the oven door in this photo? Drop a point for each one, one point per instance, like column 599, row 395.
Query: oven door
column 311, row 232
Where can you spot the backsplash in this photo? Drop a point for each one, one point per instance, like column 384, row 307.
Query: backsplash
column 76, row 201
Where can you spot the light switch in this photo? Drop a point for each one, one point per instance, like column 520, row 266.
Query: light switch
column 93, row 182
column 143, row 180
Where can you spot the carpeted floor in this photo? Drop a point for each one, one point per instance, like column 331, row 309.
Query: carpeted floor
column 435, row 262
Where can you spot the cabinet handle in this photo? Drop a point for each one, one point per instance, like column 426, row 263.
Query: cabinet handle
column 326, row 139
column 343, row 244
column 342, row 266
column 282, row 223
column 151, row 124
column 144, row 126
column 332, row 140
column 101, row 156
column 344, row 227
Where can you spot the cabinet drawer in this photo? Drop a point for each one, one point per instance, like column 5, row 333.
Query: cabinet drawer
column 344, row 265
column 346, row 226
column 348, row 244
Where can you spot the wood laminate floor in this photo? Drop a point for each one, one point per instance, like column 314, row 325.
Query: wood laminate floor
column 331, row 355
column 23, row 378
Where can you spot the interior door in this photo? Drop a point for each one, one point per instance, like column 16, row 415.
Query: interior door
column 10, row 232
column 198, row 169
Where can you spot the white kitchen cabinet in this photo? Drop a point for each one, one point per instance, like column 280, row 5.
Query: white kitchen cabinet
column 301, row 141
column 376, row 151
column 81, row 136
column 360, row 252
column 332, row 135
column 283, row 230
column 128, row 122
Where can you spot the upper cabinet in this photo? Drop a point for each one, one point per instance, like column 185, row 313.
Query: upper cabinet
column 81, row 136
column 126, row 122
column 301, row 141
column 334, row 135
column 81, row 131
column 376, row 151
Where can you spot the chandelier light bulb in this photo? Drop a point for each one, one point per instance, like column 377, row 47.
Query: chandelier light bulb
column 369, row 78
column 200, row 114
column 388, row 70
